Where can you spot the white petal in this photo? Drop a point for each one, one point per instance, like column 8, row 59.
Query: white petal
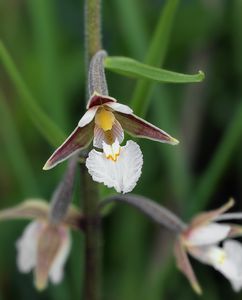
column 119, row 107
column 56, row 271
column 222, row 263
column 27, row 247
column 208, row 234
column 233, row 250
column 118, row 132
column 121, row 174
column 99, row 135
column 88, row 116
column 227, row 260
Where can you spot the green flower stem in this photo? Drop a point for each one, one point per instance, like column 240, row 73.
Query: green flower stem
column 92, row 281
column 92, row 28
column 42, row 122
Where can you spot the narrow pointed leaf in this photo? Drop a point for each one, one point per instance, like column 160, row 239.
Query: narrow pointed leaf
column 41, row 121
column 132, row 68
column 12, row 142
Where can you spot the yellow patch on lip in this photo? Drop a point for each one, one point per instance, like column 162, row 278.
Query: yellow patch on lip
column 113, row 156
column 221, row 258
column 104, row 119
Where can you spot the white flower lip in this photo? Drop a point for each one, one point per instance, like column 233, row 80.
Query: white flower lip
column 228, row 261
column 121, row 174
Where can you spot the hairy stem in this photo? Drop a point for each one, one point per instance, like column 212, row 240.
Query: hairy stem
column 154, row 211
column 90, row 188
column 92, row 28
column 92, row 236
column 61, row 199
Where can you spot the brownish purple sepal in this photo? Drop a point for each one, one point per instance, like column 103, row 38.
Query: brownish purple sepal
column 49, row 244
column 184, row 265
column 138, row 127
column 97, row 100
column 39, row 209
column 79, row 139
column 207, row 217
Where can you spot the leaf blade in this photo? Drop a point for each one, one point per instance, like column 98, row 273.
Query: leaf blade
column 132, row 68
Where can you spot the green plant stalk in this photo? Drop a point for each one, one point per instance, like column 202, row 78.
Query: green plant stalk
column 42, row 122
column 15, row 151
column 93, row 39
column 155, row 56
column 92, row 274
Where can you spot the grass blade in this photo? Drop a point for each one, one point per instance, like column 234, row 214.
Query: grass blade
column 42, row 122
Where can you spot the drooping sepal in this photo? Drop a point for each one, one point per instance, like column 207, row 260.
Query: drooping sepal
column 138, row 127
column 78, row 140
column 207, row 217
column 39, row 209
column 53, row 246
column 185, row 267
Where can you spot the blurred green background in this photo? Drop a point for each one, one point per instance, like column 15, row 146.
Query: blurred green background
column 46, row 40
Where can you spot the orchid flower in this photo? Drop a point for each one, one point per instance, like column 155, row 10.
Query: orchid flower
column 104, row 122
column 43, row 247
column 202, row 238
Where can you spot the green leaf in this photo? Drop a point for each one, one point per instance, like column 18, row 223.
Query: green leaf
column 132, row 68
column 49, row 130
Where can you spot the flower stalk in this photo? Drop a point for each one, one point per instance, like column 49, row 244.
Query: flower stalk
column 92, row 281
column 154, row 211
column 93, row 38
column 62, row 196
